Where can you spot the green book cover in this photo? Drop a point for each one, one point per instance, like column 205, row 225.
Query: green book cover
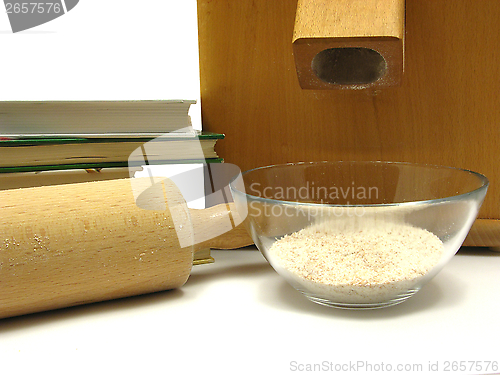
column 26, row 154
column 37, row 168
column 51, row 139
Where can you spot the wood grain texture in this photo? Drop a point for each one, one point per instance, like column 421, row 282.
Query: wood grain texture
column 367, row 25
column 349, row 18
column 445, row 111
column 66, row 245
column 484, row 233
column 217, row 219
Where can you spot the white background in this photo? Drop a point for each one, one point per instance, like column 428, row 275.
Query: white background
column 105, row 50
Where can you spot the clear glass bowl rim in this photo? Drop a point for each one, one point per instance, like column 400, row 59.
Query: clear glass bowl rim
column 481, row 177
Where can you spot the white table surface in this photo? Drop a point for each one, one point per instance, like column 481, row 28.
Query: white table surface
column 237, row 316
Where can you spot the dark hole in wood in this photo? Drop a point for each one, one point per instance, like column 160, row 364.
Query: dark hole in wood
column 349, row 66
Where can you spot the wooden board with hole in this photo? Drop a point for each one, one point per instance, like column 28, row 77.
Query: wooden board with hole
column 445, row 111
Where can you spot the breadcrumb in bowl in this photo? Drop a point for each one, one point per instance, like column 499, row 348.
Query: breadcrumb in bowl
column 358, row 234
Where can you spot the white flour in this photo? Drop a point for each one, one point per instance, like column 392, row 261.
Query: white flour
column 355, row 265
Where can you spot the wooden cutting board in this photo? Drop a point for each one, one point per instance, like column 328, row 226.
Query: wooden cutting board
column 445, row 111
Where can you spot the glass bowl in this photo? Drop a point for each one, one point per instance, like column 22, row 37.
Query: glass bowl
column 358, row 234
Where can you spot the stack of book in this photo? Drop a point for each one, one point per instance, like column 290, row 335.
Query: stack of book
column 44, row 143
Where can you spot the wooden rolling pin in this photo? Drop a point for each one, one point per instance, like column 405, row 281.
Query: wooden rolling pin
column 73, row 244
